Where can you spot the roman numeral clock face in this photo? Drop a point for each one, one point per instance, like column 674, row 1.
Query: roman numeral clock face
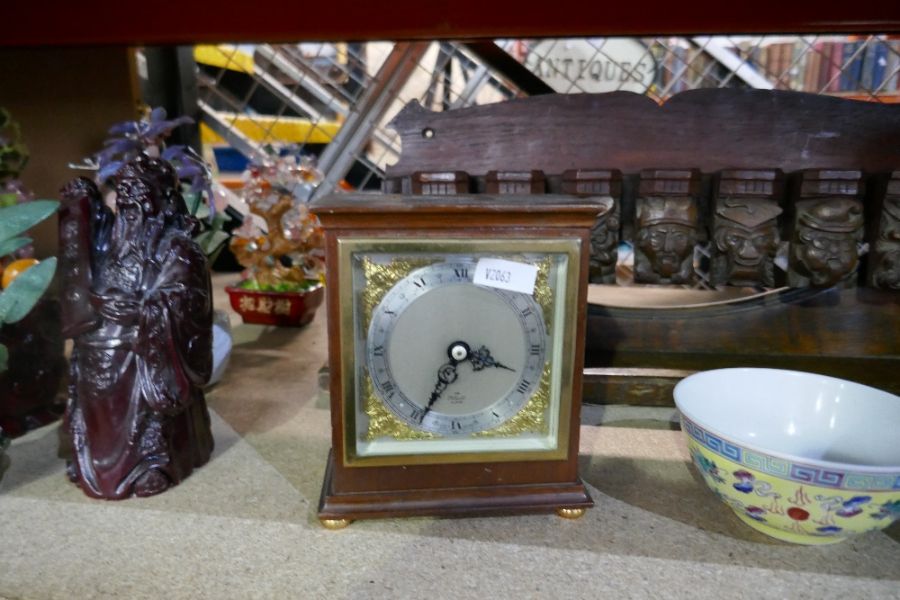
column 454, row 358
column 450, row 357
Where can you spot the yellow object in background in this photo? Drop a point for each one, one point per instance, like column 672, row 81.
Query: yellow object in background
column 224, row 57
column 15, row 268
column 264, row 129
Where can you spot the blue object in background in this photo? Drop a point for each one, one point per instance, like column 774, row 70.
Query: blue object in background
column 229, row 160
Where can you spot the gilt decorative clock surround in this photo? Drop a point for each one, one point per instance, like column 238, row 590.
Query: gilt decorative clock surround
column 410, row 421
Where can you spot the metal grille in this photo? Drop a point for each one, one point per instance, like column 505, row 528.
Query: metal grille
column 333, row 101
column 862, row 67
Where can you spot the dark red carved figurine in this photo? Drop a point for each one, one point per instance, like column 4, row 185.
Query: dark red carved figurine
column 138, row 304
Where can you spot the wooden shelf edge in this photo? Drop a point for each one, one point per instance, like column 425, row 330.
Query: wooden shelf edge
column 104, row 22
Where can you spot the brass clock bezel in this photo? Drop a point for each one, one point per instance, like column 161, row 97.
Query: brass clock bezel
column 347, row 247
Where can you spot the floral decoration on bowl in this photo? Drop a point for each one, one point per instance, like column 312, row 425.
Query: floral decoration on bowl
column 801, row 457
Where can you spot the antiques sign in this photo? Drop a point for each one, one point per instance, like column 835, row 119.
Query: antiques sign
column 599, row 66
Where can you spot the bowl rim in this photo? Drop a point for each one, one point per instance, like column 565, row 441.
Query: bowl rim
column 885, row 470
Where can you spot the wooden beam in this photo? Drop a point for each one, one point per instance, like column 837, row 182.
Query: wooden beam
column 115, row 22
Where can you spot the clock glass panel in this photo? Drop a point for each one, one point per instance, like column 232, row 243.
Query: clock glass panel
column 458, row 349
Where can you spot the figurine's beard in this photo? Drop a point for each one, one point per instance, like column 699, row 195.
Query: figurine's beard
column 125, row 247
column 668, row 263
column 126, row 236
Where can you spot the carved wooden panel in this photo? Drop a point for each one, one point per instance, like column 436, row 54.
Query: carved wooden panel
column 736, row 144
column 777, row 188
column 708, row 129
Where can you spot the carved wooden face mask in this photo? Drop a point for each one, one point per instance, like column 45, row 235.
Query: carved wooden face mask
column 825, row 242
column 746, row 230
column 667, row 234
column 667, row 246
column 747, row 247
column 827, row 257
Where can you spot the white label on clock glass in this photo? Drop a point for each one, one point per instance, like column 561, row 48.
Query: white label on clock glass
column 506, row 275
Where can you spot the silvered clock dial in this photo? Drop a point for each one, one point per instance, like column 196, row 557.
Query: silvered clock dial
column 451, row 357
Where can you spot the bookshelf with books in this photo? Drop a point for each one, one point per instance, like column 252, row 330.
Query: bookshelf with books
column 856, row 67
column 859, row 67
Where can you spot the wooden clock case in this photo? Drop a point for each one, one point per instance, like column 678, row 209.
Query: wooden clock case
column 477, row 488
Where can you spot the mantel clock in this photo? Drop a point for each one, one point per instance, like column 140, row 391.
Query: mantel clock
column 456, row 340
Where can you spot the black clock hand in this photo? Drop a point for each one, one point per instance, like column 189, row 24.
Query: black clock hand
column 447, row 374
column 482, row 358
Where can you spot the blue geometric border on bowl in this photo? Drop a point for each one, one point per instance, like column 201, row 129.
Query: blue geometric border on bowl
column 785, row 469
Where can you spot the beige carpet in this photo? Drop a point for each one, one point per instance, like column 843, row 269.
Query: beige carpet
column 244, row 526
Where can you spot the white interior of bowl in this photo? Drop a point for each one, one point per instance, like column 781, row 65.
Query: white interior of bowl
column 799, row 415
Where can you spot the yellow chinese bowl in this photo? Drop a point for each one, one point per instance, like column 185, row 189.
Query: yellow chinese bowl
column 801, row 457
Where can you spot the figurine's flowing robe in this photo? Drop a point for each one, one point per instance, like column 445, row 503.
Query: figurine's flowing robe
column 135, row 397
